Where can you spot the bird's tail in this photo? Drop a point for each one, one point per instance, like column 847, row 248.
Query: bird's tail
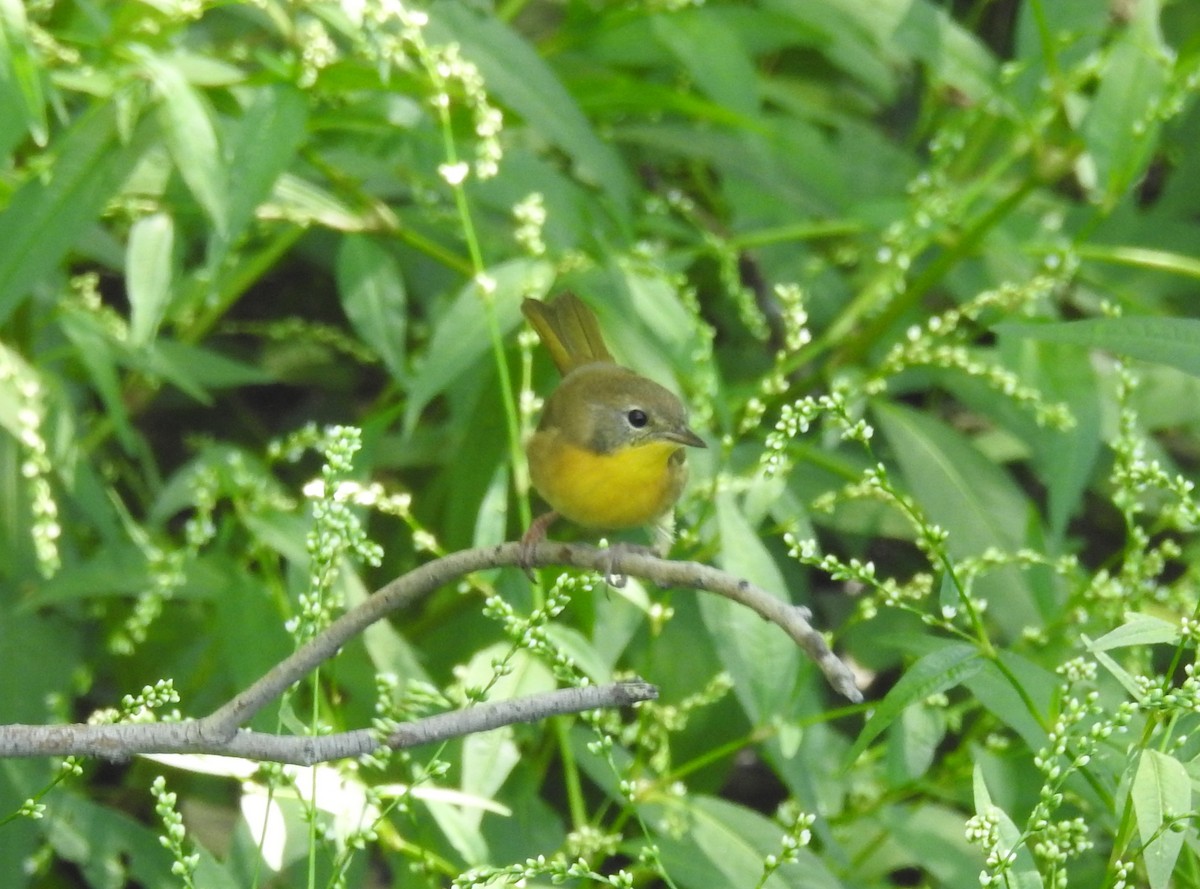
column 569, row 330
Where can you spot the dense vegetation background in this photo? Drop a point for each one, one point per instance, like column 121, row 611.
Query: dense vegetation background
column 924, row 271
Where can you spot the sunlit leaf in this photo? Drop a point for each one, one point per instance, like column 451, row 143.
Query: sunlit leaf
column 148, row 274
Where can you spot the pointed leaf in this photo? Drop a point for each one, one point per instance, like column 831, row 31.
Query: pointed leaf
column 461, row 337
column 519, row 77
column 191, row 137
column 1023, row 873
column 20, row 77
column 1162, row 797
column 960, row 488
column 48, row 214
column 1171, row 341
column 263, row 145
column 934, row 673
column 148, row 272
column 762, row 661
column 374, row 298
column 1138, row 630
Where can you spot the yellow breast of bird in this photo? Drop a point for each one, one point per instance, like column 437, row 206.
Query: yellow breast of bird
column 624, row 489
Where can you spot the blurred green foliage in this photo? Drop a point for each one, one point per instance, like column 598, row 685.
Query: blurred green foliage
column 925, row 273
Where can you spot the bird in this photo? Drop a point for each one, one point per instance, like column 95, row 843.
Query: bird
column 608, row 452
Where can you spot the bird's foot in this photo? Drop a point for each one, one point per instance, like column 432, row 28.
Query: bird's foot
column 611, row 563
column 531, row 538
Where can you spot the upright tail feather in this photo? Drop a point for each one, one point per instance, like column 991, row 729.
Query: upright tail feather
column 569, row 330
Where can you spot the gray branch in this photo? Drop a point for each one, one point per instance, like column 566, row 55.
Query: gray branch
column 221, row 733
column 130, row 739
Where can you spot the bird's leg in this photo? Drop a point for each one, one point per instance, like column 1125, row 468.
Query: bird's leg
column 662, row 535
column 531, row 538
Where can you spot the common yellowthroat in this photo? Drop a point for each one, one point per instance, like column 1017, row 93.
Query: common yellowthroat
column 608, row 451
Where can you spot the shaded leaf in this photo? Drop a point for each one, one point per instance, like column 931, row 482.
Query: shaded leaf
column 1008, row 698
column 1023, row 872
column 48, row 214
column 1161, row 793
column 762, row 661
column 262, row 147
column 1171, row 341
column 374, row 298
column 724, row 844
column 934, row 673
column 521, row 79
column 957, row 485
column 461, row 337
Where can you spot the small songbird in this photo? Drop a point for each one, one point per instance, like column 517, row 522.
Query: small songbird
column 608, row 451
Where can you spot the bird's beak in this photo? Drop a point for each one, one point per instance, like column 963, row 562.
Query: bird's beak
column 685, row 436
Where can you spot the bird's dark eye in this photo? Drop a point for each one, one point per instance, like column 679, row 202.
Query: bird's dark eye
column 637, row 418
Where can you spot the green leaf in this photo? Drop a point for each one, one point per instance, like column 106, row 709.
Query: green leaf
column 488, row 758
column 722, row 846
column 1139, row 258
column 299, row 200
column 1138, row 630
column 1067, row 458
column 934, row 673
column 968, row 495
column 930, row 837
column 762, row 660
column 461, row 337
column 103, row 843
column 1171, row 341
column 100, row 356
column 913, row 742
column 196, row 369
column 848, row 41
column 1161, row 793
column 119, row 570
column 1006, row 693
column 148, row 274
column 954, row 56
column 1122, row 123
column 713, row 55
column 262, row 147
column 1023, row 873
column 20, row 77
column 517, row 75
column 960, row 488
column 191, row 137
column 1128, row 681
column 582, row 651
column 51, row 212
column 374, row 298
